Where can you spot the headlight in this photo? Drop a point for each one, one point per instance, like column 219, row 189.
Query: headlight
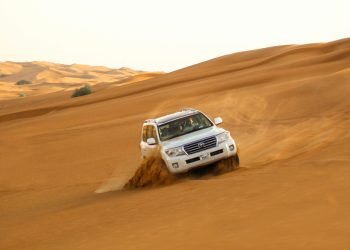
column 174, row 151
column 223, row 137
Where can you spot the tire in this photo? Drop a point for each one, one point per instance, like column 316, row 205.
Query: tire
column 236, row 159
column 227, row 165
column 233, row 162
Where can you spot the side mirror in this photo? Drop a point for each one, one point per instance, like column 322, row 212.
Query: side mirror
column 151, row 141
column 217, row 120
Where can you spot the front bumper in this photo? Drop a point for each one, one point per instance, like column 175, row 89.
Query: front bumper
column 183, row 163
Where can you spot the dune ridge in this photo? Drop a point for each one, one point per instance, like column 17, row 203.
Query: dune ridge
column 48, row 77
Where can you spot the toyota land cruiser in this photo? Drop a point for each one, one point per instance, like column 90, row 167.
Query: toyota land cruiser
column 187, row 139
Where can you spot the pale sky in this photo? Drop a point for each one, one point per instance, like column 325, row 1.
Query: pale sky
column 161, row 35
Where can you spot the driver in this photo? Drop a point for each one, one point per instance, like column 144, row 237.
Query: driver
column 189, row 124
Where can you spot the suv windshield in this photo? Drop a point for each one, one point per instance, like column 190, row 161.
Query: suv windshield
column 183, row 126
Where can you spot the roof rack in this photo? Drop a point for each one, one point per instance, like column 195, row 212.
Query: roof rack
column 188, row 109
column 149, row 120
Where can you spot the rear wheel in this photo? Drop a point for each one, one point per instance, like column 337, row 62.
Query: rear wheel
column 151, row 172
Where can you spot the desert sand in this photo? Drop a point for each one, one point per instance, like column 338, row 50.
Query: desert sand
column 288, row 108
column 47, row 77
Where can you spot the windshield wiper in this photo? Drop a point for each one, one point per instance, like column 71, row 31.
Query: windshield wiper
column 200, row 128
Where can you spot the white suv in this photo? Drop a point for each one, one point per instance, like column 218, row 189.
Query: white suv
column 187, row 139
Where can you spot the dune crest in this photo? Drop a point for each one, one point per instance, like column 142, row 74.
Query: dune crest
column 48, row 77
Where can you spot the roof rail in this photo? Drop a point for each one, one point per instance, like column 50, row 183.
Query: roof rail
column 188, row 109
column 149, row 120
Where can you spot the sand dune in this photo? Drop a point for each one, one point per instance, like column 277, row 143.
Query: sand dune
column 287, row 106
column 47, row 77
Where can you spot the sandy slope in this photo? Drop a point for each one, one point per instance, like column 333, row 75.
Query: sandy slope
column 287, row 106
column 47, row 77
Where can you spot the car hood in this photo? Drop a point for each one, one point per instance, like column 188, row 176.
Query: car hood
column 191, row 137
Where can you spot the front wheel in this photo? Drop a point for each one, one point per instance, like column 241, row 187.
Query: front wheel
column 236, row 160
column 227, row 165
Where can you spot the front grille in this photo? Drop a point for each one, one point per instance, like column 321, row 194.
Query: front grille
column 200, row 145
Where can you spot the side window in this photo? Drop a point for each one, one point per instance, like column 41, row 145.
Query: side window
column 144, row 133
column 154, row 133
column 149, row 131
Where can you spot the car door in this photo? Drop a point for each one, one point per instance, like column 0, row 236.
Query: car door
column 148, row 131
